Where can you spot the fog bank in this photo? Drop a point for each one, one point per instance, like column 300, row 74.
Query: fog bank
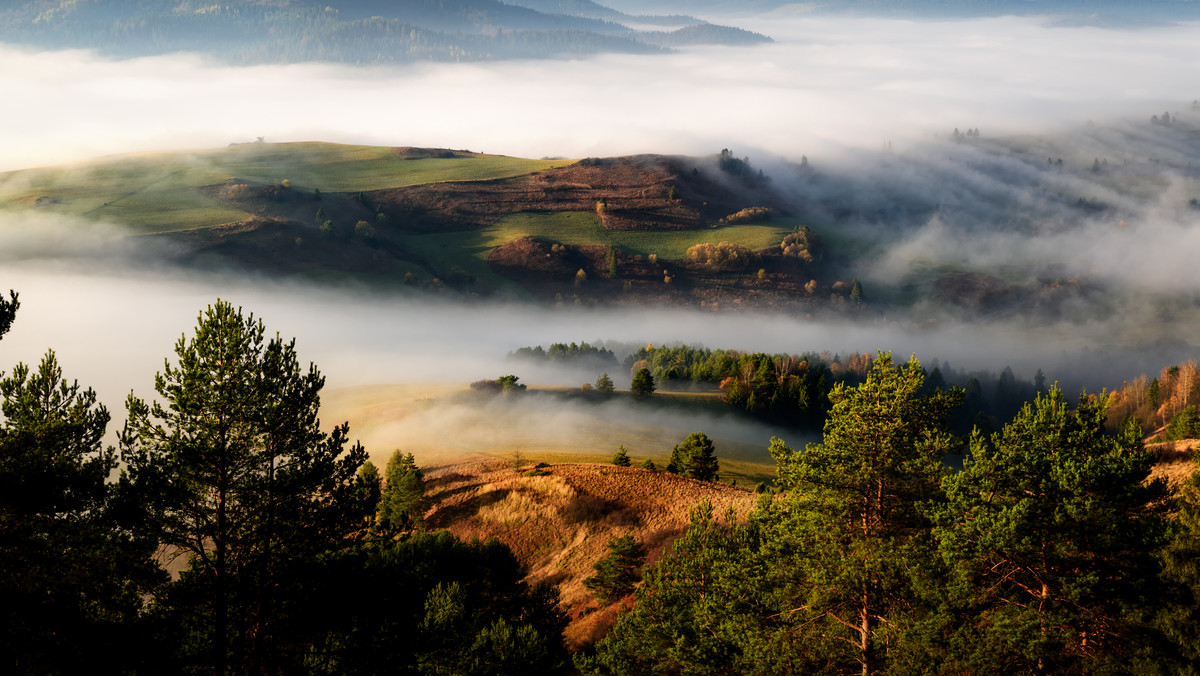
column 826, row 84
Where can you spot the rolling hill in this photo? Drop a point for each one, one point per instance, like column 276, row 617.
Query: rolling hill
column 447, row 221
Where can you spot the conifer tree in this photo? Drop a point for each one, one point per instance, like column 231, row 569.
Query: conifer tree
column 72, row 578
column 619, row 571
column 856, row 292
column 238, row 476
column 695, row 458
column 850, row 522
column 1051, row 530
column 8, row 311
column 1179, row 616
column 621, row 459
column 643, row 383
column 604, row 384
column 401, row 507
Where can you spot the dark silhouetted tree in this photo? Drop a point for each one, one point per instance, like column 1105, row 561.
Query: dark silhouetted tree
column 72, row 577
column 240, row 478
column 642, row 384
column 8, row 311
column 401, row 506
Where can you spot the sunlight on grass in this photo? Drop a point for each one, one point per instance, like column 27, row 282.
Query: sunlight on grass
column 160, row 192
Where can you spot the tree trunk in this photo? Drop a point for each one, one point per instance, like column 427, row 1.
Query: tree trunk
column 221, row 611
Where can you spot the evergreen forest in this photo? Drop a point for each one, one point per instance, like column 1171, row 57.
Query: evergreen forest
column 226, row 533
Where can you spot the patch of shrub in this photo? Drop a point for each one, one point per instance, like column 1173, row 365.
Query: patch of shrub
column 722, row 256
column 749, row 215
column 799, row 245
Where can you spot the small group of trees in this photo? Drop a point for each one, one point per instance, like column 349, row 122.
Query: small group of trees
column 582, row 353
column 1154, row 402
column 507, row 384
column 749, row 215
column 799, row 244
column 721, row 256
column 1049, row 552
column 275, row 525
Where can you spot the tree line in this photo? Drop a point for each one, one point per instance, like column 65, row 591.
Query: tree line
column 793, row 389
column 288, row 551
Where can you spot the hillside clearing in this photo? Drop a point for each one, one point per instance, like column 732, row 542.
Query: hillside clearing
column 559, row 524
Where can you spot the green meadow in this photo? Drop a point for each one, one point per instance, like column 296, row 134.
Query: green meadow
column 468, row 249
column 162, row 192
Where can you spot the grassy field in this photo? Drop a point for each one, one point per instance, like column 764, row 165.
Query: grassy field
column 469, row 249
column 583, row 228
column 160, row 192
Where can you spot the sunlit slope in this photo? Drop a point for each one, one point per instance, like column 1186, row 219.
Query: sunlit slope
column 442, row 221
column 180, row 190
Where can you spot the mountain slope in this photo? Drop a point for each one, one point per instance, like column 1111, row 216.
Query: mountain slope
column 355, row 31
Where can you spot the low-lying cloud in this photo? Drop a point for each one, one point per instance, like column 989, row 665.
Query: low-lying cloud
column 825, row 84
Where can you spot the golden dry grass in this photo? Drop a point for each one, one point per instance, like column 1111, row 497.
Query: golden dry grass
column 1173, row 460
column 559, row 524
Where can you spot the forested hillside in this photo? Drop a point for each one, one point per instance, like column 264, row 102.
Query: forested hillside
column 353, row 31
column 229, row 534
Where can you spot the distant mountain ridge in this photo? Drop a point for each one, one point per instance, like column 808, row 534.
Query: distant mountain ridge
column 353, row 31
column 1156, row 10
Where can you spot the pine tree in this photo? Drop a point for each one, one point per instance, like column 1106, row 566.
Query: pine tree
column 240, row 477
column 642, row 384
column 856, row 292
column 850, row 524
column 619, row 571
column 621, row 459
column 604, row 384
column 368, row 489
column 1179, row 618
column 694, row 457
column 72, row 577
column 401, row 505
column 1051, row 531
column 8, row 312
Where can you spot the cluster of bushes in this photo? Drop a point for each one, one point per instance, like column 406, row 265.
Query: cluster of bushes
column 799, row 245
column 749, row 215
column 721, row 256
